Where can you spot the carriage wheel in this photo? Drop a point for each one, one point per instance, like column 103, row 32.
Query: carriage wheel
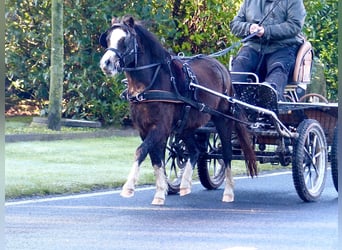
column 176, row 157
column 313, row 97
column 210, row 166
column 309, row 160
column 334, row 156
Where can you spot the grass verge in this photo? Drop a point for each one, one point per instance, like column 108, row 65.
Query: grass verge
column 68, row 166
column 73, row 166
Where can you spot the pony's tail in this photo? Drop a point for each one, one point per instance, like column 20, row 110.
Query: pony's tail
column 246, row 146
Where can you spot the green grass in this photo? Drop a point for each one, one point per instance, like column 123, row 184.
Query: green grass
column 40, row 168
column 73, row 166
column 69, row 166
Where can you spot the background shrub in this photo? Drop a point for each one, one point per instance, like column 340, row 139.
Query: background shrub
column 191, row 27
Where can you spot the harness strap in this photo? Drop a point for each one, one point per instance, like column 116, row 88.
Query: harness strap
column 155, row 96
column 142, row 67
column 206, row 109
column 174, row 97
column 183, row 120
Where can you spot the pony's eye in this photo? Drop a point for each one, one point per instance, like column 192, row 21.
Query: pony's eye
column 121, row 44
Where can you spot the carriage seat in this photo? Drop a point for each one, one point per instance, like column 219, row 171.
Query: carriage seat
column 301, row 75
column 302, row 71
column 303, row 65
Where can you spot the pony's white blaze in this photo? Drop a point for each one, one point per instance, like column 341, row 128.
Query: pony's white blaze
column 110, row 61
column 115, row 36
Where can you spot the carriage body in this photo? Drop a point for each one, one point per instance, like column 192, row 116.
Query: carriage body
column 199, row 90
column 302, row 131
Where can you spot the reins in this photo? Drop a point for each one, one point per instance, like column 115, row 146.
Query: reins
column 148, row 95
column 238, row 43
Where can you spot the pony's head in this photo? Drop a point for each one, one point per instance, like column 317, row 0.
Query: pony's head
column 121, row 46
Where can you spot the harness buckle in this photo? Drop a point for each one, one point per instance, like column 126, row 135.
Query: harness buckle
column 124, row 95
column 140, row 97
column 202, row 107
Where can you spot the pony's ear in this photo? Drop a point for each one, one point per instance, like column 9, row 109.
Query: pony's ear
column 103, row 39
column 128, row 20
column 115, row 20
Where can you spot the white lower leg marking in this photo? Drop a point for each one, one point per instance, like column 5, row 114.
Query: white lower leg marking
column 228, row 194
column 185, row 186
column 161, row 186
column 132, row 179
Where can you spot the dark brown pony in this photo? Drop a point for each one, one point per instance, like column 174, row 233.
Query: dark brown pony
column 158, row 90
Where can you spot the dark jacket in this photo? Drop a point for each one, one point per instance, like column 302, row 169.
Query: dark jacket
column 282, row 26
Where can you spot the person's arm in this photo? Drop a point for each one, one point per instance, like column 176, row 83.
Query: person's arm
column 239, row 26
column 291, row 27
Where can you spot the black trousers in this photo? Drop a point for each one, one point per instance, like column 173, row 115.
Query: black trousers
column 274, row 68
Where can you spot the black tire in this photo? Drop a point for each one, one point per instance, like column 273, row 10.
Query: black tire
column 334, row 156
column 176, row 157
column 310, row 159
column 211, row 170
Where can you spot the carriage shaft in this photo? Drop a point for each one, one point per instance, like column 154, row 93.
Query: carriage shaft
column 281, row 128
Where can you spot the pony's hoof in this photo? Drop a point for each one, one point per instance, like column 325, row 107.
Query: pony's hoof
column 158, row 201
column 184, row 191
column 127, row 193
column 228, row 198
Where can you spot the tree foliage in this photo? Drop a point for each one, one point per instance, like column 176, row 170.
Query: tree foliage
column 322, row 32
column 186, row 26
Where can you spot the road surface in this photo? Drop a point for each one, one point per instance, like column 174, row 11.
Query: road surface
column 266, row 214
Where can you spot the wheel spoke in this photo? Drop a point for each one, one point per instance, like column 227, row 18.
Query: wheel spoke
column 314, row 143
column 311, row 153
column 307, row 175
column 312, row 156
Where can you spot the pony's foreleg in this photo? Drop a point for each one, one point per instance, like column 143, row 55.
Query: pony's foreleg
column 161, row 185
column 132, row 179
column 185, row 186
column 228, row 193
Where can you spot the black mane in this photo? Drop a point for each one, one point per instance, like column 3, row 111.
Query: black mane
column 150, row 42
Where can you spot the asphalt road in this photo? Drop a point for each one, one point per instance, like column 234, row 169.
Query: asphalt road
column 266, row 214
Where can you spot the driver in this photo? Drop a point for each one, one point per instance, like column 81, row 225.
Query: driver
column 271, row 53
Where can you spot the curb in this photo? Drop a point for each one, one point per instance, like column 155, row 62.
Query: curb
column 67, row 122
column 68, row 136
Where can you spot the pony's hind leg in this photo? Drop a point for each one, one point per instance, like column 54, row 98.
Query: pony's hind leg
column 191, row 144
column 185, row 186
column 228, row 193
column 224, row 128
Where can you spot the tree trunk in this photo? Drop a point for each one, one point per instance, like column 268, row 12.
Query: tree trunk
column 56, row 70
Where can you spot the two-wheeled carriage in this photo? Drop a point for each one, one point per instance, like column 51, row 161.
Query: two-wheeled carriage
column 192, row 104
column 302, row 131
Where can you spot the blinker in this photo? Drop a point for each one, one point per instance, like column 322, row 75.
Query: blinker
column 103, row 39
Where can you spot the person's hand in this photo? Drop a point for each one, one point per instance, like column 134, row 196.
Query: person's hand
column 255, row 27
